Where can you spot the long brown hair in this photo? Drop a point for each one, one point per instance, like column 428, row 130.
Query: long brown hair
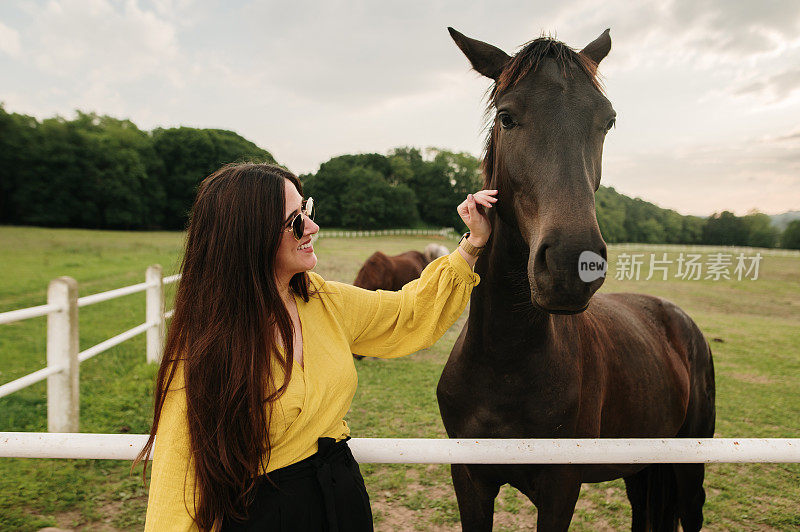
column 228, row 315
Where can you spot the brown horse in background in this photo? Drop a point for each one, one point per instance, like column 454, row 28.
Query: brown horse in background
column 384, row 272
column 541, row 356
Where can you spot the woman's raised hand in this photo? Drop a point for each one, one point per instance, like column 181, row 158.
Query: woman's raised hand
column 471, row 211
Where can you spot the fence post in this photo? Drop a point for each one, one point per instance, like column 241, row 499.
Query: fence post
column 63, row 395
column 155, row 313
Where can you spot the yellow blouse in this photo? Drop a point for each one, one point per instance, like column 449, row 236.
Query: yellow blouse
column 338, row 320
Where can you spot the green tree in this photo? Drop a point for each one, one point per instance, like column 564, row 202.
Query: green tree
column 434, row 182
column 19, row 151
column 189, row 155
column 610, row 210
column 363, row 191
column 102, row 172
column 462, row 172
column 790, row 239
column 642, row 222
column 672, row 226
column 373, row 203
column 725, row 229
column 760, row 231
column 90, row 173
column 692, row 230
column 327, row 186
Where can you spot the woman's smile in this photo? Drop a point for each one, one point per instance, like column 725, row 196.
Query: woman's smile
column 307, row 247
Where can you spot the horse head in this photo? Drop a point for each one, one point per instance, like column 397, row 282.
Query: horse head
column 543, row 153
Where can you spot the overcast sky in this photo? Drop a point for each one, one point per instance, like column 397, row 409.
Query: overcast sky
column 707, row 91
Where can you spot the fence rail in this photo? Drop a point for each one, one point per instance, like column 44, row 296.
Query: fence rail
column 26, row 313
column 447, row 232
column 453, row 451
column 699, row 248
column 63, row 358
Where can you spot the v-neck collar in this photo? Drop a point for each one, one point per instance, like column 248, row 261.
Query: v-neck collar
column 304, row 368
column 302, row 336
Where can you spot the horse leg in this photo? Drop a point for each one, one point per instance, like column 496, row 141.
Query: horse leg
column 475, row 499
column 691, row 495
column 555, row 499
column 700, row 420
column 636, row 488
column 658, row 484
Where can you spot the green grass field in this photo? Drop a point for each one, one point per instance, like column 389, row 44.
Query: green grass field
column 753, row 327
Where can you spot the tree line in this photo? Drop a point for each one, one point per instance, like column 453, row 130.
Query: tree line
column 624, row 219
column 97, row 171
column 408, row 186
column 102, row 172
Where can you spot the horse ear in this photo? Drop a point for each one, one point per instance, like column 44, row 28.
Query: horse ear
column 486, row 59
column 598, row 48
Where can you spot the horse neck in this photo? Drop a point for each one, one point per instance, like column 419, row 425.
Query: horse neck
column 501, row 312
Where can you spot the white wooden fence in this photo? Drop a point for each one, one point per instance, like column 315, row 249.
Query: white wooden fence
column 447, row 232
column 695, row 248
column 63, row 358
column 453, row 451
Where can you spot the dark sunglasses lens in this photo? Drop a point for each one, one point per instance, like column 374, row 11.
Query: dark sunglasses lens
column 298, row 226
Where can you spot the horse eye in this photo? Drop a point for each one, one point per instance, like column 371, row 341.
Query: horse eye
column 611, row 123
column 506, row 122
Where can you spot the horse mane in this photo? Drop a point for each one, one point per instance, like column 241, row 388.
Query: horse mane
column 525, row 61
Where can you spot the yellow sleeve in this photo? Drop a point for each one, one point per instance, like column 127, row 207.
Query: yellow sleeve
column 390, row 324
column 172, row 477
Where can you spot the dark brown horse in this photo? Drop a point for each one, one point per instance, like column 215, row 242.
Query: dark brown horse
column 384, row 272
column 539, row 357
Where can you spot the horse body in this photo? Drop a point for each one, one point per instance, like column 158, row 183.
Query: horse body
column 384, row 272
column 541, row 356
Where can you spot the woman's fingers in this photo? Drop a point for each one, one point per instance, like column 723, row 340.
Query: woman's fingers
column 483, row 201
column 470, row 209
column 485, row 197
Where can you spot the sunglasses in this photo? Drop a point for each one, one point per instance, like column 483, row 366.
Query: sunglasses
column 298, row 224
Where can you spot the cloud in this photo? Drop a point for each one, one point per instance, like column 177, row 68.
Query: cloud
column 775, row 88
column 694, row 82
column 705, row 178
column 794, row 136
column 735, row 30
column 101, row 41
column 9, row 41
column 687, row 34
column 339, row 56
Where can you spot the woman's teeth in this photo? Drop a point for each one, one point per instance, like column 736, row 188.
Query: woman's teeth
column 305, row 246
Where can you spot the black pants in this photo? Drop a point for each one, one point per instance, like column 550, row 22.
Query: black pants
column 324, row 492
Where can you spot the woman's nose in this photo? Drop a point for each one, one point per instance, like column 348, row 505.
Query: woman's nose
column 311, row 227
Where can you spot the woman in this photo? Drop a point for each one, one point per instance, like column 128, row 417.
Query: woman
column 257, row 373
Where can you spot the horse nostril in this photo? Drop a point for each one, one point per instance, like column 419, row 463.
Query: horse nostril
column 604, row 252
column 540, row 262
